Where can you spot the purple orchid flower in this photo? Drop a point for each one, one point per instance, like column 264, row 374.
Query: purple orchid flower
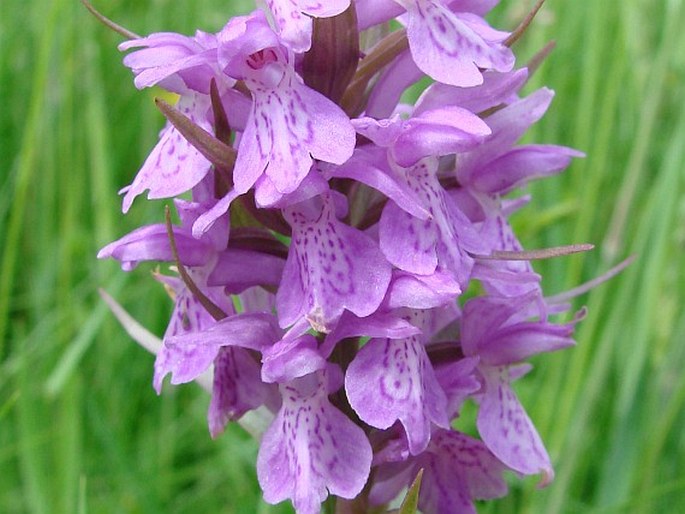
column 226, row 344
column 496, row 330
column 391, row 380
column 312, row 449
column 290, row 124
column 185, row 66
column 450, row 47
column 331, row 267
column 457, row 469
column 448, row 43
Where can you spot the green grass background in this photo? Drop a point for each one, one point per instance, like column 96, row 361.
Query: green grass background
column 81, row 429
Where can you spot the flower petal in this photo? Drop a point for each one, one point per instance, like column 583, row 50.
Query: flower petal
column 507, row 430
column 188, row 355
column 151, row 243
column 237, row 388
column 450, row 48
column 174, row 166
column 330, row 267
column 496, row 89
column 391, row 380
column 291, row 358
column 442, row 242
column 461, row 469
column 378, row 325
column 422, row 291
column 238, row 270
column 311, row 449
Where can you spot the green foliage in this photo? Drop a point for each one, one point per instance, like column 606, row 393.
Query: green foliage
column 81, row 429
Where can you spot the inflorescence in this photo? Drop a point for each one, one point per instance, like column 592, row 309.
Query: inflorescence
column 328, row 233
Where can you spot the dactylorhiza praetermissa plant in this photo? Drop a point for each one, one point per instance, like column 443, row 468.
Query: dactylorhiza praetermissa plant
column 328, row 232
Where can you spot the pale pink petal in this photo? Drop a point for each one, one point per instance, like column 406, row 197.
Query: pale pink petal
column 391, row 380
column 237, row 388
column 451, row 48
column 330, row 267
column 408, row 242
column 174, row 166
column 422, row 291
column 496, row 89
column 311, row 449
column 459, row 470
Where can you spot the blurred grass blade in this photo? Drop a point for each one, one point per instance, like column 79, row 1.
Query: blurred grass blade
column 71, row 358
column 26, row 167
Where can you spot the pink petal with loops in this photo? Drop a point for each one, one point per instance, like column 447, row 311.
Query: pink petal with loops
column 330, row 267
column 289, row 127
column 311, row 449
column 392, row 380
